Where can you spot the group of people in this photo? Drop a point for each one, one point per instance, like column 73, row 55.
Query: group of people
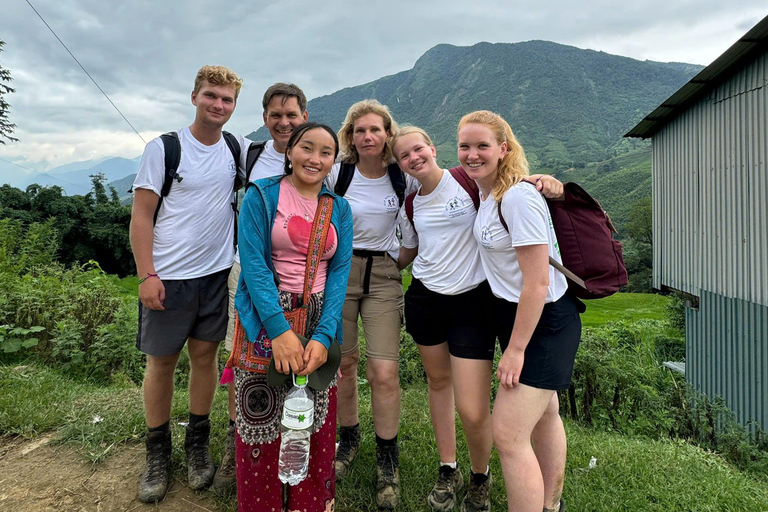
column 327, row 222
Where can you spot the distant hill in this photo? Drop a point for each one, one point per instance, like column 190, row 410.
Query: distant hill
column 75, row 180
column 569, row 107
column 122, row 186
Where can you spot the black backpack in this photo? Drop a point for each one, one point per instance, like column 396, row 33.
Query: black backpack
column 347, row 171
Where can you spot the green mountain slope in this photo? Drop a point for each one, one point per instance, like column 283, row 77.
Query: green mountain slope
column 568, row 106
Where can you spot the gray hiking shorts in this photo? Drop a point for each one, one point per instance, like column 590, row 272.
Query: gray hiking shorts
column 194, row 308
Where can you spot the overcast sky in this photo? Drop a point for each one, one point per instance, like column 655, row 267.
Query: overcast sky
column 145, row 54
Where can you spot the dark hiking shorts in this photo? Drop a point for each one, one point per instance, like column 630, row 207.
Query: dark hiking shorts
column 194, row 308
column 465, row 320
column 550, row 354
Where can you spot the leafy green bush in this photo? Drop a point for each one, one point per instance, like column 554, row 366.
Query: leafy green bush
column 86, row 326
column 620, row 385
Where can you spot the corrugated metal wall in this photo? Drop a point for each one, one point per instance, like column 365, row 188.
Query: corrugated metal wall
column 710, row 214
column 710, row 182
column 727, row 354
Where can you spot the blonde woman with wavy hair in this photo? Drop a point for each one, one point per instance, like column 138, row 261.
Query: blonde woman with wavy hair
column 348, row 151
column 537, row 322
column 367, row 178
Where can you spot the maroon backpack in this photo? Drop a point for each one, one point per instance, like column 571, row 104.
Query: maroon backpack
column 592, row 259
column 461, row 176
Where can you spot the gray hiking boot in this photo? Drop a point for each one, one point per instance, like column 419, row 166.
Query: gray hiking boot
column 200, row 466
column 226, row 475
column 478, row 498
column 153, row 484
column 449, row 483
column 349, row 446
column 388, row 477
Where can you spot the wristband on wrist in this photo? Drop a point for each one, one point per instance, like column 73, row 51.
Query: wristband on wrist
column 147, row 277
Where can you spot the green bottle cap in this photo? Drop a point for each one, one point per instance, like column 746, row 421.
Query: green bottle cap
column 299, row 380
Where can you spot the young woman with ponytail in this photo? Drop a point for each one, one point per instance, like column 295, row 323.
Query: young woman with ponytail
column 537, row 322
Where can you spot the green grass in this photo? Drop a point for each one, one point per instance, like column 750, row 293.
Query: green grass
column 624, row 306
column 631, row 473
column 129, row 285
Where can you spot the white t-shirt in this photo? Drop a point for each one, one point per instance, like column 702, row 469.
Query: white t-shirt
column 195, row 225
column 375, row 210
column 448, row 261
column 527, row 216
column 270, row 163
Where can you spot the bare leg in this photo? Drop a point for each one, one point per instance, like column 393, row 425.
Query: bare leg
column 472, row 387
column 158, row 389
column 347, row 390
column 231, row 400
column 515, row 414
column 437, row 364
column 551, row 446
column 203, row 375
column 385, row 396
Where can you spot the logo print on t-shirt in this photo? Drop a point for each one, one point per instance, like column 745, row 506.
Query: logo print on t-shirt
column 391, row 203
column 455, row 207
column 486, row 237
column 299, row 231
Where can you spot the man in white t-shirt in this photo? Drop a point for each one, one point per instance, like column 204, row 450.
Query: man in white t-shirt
column 183, row 247
column 285, row 108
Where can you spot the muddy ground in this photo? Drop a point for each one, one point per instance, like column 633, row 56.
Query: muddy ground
column 37, row 475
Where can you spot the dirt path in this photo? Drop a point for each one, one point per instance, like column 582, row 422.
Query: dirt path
column 36, row 476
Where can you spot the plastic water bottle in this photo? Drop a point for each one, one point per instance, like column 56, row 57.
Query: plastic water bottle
column 298, row 416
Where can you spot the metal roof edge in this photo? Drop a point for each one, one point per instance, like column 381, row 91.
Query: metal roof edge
column 722, row 68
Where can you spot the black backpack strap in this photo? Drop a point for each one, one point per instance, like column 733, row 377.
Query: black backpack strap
column 346, row 172
column 234, row 148
column 172, row 150
column 254, row 152
column 501, row 217
column 397, row 177
column 409, row 207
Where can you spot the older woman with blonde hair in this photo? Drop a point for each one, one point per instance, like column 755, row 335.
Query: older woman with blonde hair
column 375, row 188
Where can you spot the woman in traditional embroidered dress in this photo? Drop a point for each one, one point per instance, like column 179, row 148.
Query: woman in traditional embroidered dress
column 276, row 227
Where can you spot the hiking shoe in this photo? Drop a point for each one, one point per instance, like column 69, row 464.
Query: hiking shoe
column 153, row 484
column 226, row 475
column 449, row 483
column 478, row 498
column 560, row 507
column 349, row 446
column 199, row 462
column 388, row 477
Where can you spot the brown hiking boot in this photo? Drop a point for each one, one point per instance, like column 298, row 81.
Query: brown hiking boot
column 225, row 476
column 200, row 466
column 478, row 498
column 153, row 484
column 388, row 477
column 349, row 446
column 449, row 483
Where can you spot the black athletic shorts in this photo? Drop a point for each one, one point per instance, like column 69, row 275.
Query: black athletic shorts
column 550, row 354
column 194, row 308
column 465, row 320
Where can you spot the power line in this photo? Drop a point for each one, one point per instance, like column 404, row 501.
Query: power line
column 85, row 71
column 45, row 174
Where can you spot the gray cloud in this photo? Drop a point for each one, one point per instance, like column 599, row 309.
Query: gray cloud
column 145, row 54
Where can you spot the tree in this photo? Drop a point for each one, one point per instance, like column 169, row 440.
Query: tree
column 6, row 127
